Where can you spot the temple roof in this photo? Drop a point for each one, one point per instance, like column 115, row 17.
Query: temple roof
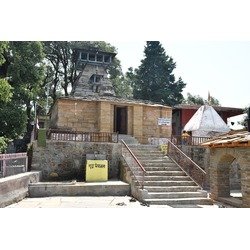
column 114, row 100
column 232, row 139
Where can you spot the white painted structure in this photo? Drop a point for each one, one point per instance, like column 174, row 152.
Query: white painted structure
column 206, row 122
column 236, row 122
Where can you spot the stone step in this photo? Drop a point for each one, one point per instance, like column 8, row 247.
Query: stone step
column 148, row 154
column 161, row 168
column 166, row 173
column 167, row 195
column 168, row 183
column 192, row 188
column 145, row 147
column 155, row 162
column 165, row 178
column 180, row 201
column 108, row 188
column 153, row 158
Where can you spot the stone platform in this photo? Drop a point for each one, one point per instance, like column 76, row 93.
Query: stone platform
column 73, row 188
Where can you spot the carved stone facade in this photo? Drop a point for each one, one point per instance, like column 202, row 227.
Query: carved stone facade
column 93, row 78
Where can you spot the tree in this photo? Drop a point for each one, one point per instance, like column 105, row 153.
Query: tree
column 5, row 88
column 26, row 72
column 154, row 79
column 198, row 100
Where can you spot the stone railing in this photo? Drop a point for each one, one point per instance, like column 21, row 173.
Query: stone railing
column 11, row 164
column 66, row 135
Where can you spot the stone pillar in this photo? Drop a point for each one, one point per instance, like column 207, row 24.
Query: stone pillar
column 245, row 177
column 104, row 117
column 137, row 123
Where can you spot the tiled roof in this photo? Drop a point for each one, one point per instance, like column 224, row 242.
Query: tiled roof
column 217, row 108
column 232, row 139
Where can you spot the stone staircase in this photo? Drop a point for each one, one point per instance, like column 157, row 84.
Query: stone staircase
column 165, row 182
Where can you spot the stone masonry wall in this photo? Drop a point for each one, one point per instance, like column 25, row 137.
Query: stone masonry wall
column 200, row 155
column 67, row 160
column 150, row 127
column 98, row 116
column 77, row 115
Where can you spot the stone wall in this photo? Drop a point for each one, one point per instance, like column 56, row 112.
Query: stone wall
column 98, row 116
column 150, row 127
column 61, row 160
column 15, row 188
column 75, row 115
column 201, row 156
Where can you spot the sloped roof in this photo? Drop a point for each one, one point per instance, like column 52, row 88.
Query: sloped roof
column 232, row 139
column 206, row 120
column 217, row 108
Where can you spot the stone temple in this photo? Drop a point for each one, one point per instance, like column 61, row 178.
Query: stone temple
column 94, row 107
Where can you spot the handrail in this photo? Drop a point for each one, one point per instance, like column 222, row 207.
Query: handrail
column 187, row 156
column 124, row 143
column 187, row 164
column 190, row 141
column 73, row 135
column 141, row 168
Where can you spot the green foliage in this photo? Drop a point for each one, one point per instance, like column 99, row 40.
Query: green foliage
column 154, row 79
column 198, row 100
column 3, row 144
column 12, row 120
column 5, row 91
column 22, row 65
column 3, row 48
column 26, row 70
column 194, row 99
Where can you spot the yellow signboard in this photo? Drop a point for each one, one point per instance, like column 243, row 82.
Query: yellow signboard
column 164, row 148
column 97, row 170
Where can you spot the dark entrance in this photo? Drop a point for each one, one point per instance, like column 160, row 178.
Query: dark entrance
column 121, row 120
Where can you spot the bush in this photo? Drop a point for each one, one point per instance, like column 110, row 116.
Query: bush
column 3, row 144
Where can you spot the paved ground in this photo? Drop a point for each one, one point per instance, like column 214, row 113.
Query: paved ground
column 92, row 202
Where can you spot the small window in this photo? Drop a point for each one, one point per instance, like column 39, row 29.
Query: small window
column 95, row 78
column 84, row 56
column 99, row 58
column 107, row 59
column 92, row 57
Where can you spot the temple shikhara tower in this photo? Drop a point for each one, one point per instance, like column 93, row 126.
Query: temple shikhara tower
column 93, row 78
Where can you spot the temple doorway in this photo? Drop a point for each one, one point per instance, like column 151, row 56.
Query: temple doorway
column 121, row 120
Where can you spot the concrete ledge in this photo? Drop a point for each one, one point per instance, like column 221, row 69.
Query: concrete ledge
column 232, row 201
column 109, row 188
column 14, row 188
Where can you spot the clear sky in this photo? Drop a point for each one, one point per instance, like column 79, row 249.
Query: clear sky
column 220, row 67
column 208, row 40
